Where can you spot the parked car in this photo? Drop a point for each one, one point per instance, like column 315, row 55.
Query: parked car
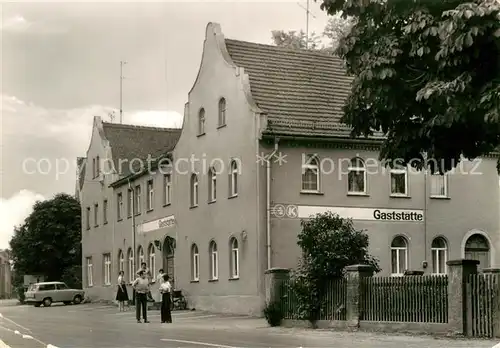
column 47, row 293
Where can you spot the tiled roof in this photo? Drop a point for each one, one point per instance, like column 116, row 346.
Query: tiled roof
column 130, row 142
column 302, row 91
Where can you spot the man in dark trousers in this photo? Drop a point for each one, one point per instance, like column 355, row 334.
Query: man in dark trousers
column 141, row 287
column 166, row 300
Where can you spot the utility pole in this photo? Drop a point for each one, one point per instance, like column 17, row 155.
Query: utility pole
column 122, row 63
column 132, row 195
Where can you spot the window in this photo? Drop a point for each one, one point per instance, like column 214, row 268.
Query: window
column 90, row 272
column 121, row 261
column 107, row 269
column 201, row 122
column 167, row 184
column 46, row 287
column 233, row 179
column 399, row 181
column 212, row 185
column 194, row 190
column 96, row 215
column 140, row 253
column 399, row 256
column 119, row 206
column 152, row 259
column 310, row 174
column 137, row 207
column 439, row 185
column 88, row 218
column 105, row 211
column 94, row 169
column 98, row 166
column 222, row 112
column 130, row 204
column 356, row 176
column 439, row 252
column 234, row 260
column 214, row 261
column 150, row 195
column 195, row 263
column 131, row 268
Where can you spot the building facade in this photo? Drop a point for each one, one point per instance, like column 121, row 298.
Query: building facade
column 261, row 148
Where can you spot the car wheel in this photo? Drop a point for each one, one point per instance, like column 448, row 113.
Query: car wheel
column 47, row 302
column 37, row 304
column 77, row 299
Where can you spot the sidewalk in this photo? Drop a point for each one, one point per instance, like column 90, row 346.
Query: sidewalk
column 9, row 302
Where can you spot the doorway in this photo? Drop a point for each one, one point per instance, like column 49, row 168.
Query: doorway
column 478, row 248
column 169, row 258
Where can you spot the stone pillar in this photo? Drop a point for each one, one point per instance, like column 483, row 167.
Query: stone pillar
column 273, row 278
column 354, row 277
column 458, row 271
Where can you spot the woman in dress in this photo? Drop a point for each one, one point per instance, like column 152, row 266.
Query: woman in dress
column 121, row 293
column 166, row 300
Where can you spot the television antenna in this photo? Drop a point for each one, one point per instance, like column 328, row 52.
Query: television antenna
column 122, row 63
column 308, row 13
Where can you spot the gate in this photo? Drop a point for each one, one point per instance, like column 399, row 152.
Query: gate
column 483, row 301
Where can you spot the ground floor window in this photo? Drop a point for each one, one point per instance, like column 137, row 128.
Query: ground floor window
column 90, row 272
column 107, row 269
column 439, row 252
column 399, row 256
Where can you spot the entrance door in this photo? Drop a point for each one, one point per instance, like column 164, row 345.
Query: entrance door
column 169, row 258
column 478, row 248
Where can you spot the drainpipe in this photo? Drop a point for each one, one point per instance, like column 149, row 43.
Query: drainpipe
column 268, row 202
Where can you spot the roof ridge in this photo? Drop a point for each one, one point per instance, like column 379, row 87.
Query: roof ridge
column 133, row 126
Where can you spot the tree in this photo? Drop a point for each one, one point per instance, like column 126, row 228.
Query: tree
column 48, row 242
column 329, row 243
column 337, row 29
column 426, row 74
column 295, row 40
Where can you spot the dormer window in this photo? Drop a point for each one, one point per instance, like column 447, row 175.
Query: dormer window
column 201, row 122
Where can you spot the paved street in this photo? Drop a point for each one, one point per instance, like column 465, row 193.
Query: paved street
column 99, row 326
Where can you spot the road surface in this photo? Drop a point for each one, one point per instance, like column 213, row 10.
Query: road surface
column 99, row 326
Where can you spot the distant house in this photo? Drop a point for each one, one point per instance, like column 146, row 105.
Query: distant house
column 5, row 275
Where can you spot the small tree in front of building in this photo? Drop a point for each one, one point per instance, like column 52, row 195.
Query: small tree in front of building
column 329, row 243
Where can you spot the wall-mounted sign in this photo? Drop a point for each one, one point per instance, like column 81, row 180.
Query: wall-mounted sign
column 154, row 225
column 291, row 211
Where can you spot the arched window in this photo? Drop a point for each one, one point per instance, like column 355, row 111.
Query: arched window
column 212, row 185
column 477, row 247
column 439, row 252
column 399, row 256
column 131, row 268
column 214, row 261
column 194, row 190
column 201, row 122
column 357, row 176
column 310, row 174
column 234, row 260
column 195, row 263
column 152, row 259
column 222, row 112
column 233, row 178
column 140, row 253
column 399, row 181
column 121, row 261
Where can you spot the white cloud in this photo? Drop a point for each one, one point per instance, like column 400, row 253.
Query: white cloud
column 13, row 211
column 19, row 24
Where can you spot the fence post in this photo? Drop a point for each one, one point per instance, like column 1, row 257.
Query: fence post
column 354, row 304
column 496, row 299
column 273, row 278
column 458, row 271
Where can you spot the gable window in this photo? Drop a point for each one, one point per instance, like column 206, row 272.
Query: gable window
column 439, row 185
column 137, row 206
column 212, row 185
column 399, row 181
column 105, row 211
column 150, row 198
column 119, row 206
column 121, row 261
column 87, row 218
column 131, row 269
column 167, row 185
column 214, row 261
column 310, row 174
column 222, row 112
column 439, row 252
column 356, row 177
column 233, row 179
column 94, row 168
column 234, row 260
column 152, row 259
column 98, row 166
column 194, row 190
column 399, row 256
column 107, row 269
column 195, row 263
column 130, row 204
column 90, row 272
column 201, row 122
column 96, row 215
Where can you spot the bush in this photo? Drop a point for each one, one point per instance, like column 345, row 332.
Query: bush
column 273, row 314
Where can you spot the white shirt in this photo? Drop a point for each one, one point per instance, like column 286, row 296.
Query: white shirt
column 159, row 278
column 165, row 287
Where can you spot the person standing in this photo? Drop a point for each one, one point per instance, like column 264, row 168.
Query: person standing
column 121, row 293
column 166, row 300
column 144, row 268
column 141, row 286
column 159, row 281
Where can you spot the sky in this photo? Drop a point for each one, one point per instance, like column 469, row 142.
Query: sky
column 60, row 67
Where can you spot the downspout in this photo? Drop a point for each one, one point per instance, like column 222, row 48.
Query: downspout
column 268, row 203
